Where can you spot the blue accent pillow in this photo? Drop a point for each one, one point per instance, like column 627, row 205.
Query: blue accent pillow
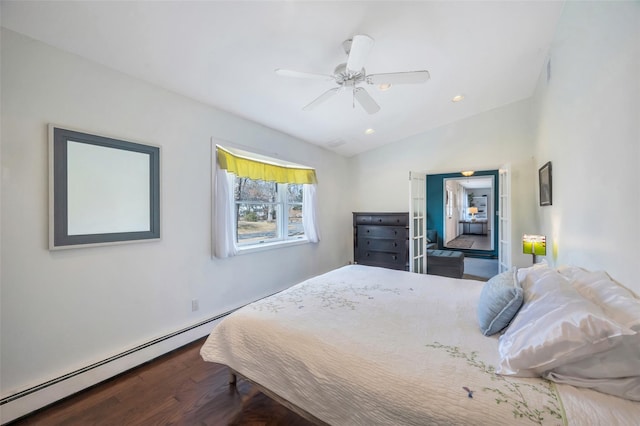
column 500, row 301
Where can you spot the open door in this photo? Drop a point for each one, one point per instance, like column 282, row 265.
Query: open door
column 504, row 219
column 417, row 222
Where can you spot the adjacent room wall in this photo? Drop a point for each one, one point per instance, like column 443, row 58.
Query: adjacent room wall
column 482, row 142
column 63, row 310
column 588, row 126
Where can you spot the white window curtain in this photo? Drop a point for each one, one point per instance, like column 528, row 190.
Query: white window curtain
column 224, row 214
column 310, row 213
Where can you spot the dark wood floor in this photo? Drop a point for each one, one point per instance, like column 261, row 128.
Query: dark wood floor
column 176, row 389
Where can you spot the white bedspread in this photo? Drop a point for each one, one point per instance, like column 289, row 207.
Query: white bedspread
column 364, row 345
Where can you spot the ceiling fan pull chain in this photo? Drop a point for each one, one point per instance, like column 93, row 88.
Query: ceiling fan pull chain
column 353, row 98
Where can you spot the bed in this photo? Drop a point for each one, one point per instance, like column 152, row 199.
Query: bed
column 363, row 345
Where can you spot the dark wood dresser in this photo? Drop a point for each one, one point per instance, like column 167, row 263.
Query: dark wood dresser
column 381, row 239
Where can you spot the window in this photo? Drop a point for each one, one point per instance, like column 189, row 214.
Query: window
column 259, row 207
column 261, row 202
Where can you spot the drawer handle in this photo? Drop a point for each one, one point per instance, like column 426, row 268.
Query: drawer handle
column 395, row 244
column 368, row 242
column 368, row 231
column 394, row 257
column 379, row 220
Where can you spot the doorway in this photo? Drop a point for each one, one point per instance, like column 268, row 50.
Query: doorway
column 449, row 198
column 468, row 213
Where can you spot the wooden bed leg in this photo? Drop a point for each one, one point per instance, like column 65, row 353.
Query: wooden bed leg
column 233, row 378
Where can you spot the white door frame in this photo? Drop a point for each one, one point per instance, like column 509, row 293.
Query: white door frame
column 503, row 213
column 504, row 218
column 417, row 222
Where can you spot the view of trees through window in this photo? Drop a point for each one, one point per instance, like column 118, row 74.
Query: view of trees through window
column 259, row 207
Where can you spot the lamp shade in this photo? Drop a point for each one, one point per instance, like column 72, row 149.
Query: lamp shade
column 534, row 244
column 472, row 210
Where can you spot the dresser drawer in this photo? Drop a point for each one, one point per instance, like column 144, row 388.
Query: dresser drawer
column 389, row 232
column 382, row 258
column 390, row 219
column 381, row 244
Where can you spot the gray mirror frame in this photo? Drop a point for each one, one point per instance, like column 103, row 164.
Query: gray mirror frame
column 59, row 237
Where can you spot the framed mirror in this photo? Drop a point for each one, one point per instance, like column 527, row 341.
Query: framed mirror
column 469, row 213
column 101, row 190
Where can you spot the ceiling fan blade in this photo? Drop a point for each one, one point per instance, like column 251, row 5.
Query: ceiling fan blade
column 360, row 47
column 320, row 99
column 300, row 74
column 365, row 100
column 409, row 77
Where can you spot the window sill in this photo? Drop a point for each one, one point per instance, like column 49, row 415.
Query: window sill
column 271, row 246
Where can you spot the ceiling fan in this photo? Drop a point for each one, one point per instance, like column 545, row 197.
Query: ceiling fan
column 352, row 73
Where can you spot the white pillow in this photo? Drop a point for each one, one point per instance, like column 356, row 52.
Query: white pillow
column 626, row 387
column 534, row 270
column 616, row 301
column 615, row 371
column 554, row 327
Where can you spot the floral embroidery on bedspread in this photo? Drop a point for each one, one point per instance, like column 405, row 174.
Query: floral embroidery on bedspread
column 509, row 391
column 332, row 295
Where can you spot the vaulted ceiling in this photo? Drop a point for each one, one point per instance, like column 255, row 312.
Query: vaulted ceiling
column 224, row 53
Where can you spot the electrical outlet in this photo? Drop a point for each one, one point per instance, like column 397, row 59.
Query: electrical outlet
column 194, row 305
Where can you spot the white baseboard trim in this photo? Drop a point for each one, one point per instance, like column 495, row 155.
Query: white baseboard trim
column 29, row 400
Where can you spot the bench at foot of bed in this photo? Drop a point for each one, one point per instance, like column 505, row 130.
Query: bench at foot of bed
column 446, row 263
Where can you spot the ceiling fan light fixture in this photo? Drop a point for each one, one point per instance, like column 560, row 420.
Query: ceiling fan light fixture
column 384, row 87
column 467, row 173
column 369, row 131
column 457, row 98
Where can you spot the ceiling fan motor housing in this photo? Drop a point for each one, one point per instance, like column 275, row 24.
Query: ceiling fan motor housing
column 345, row 77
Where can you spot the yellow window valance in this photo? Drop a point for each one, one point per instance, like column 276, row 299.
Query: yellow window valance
column 263, row 170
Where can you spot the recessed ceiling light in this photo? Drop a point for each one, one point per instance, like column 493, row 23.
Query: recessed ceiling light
column 384, row 86
column 457, row 98
column 369, row 131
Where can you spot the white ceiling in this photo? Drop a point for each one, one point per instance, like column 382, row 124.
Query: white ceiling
column 224, row 53
column 475, row 182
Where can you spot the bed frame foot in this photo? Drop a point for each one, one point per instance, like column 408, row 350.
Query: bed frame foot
column 233, row 378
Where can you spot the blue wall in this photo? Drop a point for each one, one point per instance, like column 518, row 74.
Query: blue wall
column 435, row 209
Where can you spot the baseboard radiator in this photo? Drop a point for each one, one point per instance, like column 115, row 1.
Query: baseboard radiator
column 36, row 397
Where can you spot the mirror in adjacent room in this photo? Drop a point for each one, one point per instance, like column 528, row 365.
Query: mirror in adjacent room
column 468, row 213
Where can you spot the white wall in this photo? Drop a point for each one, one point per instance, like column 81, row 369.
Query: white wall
column 63, row 310
column 482, row 142
column 589, row 128
column 451, row 222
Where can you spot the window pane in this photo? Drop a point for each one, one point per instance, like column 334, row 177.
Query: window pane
column 255, row 190
column 294, row 225
column 294, row 193
column 257, row 222
column 267, row 211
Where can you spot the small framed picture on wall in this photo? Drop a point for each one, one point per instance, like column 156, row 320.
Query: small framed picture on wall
column 544, row 180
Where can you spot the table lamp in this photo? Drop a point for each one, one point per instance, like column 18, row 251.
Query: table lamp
column 534, row 245
column 472, row 211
